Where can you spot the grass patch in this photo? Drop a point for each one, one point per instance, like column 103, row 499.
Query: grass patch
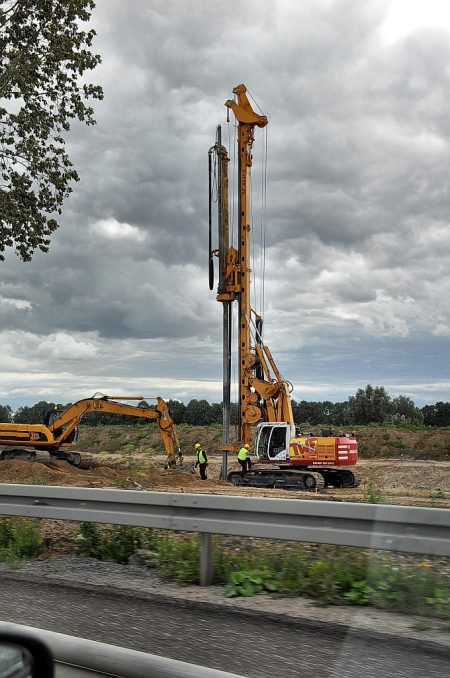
column 437, row 494
column 38, row 480
column 19, row 539
column 373, row 494
column 115, row 543
column 328, row 574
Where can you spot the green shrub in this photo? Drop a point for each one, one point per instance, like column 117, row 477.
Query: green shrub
column 178, row 558
column 359, row 593
column 373, row 494
column 19, row 539
column 327, row 574
column 439, row 602
column 249, row 582
column 437, row 494
column 120, row 542
column 115, row 543
column 88, row 541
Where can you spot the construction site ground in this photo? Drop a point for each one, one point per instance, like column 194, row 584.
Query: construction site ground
column 392, row 481
column 127, row 458
column 128, row 461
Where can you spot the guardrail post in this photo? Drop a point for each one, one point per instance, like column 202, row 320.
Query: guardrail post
column 206, row 569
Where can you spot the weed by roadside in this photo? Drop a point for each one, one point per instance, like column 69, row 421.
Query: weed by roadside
column 437, row 494
column 19, row 539
column 249, row 583
column 373, row 494
column 38, row 480
column 328, row 574
column 115, row 543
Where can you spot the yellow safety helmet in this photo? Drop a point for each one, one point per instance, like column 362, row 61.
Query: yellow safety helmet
column 196, row 446
column 247, row 446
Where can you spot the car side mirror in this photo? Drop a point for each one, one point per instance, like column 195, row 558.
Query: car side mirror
column 22, row 655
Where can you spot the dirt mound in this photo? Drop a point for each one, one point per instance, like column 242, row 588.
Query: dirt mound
column 376, row 443
column 400, row 481
column 398, row 473
column 55, row 473
column 116, row 476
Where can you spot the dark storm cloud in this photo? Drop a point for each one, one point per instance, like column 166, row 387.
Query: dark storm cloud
column 358, row 195
column 96, row 288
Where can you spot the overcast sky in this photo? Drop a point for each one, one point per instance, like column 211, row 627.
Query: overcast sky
column 357, row 283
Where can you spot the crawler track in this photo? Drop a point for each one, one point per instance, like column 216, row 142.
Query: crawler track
column 82, row 460
column 305, row 479
column 24, row 454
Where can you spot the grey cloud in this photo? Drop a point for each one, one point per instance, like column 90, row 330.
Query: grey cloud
column 358, row 197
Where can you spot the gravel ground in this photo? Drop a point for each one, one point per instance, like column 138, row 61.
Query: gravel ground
column 144, row 583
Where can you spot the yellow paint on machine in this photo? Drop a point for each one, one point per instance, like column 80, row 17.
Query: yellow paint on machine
column 313, row 448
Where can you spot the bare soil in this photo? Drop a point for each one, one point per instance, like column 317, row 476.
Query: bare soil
column 376, row 443
column 393, row 481
column 373, row 443
column 397, row 466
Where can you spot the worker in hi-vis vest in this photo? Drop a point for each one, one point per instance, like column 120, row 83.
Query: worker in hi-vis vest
column 244, row 459
column 202, row 460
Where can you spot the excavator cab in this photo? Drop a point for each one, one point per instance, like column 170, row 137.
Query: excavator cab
column 50, row 416
column 272, row 441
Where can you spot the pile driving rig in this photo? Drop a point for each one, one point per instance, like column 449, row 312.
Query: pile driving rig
column 58, row 434
column 286, row 457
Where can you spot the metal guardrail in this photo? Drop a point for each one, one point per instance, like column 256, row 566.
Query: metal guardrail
column 394, row 528
column 374, row 526
column 82, row 657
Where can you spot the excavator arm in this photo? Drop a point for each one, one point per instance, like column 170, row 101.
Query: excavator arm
column 60, row 428
column 64, row 424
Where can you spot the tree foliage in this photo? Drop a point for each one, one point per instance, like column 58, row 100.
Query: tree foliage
column 404, row 410
column 44, row 53
column 177, row 411
column 437, row 414
column 34, row 414
column 5, row 414
column 198, row 412
column 370, row 405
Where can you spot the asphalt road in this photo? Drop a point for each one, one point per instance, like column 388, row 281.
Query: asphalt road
column 245, row 645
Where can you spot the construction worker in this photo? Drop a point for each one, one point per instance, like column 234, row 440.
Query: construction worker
column 202, row 460
column 244, row 459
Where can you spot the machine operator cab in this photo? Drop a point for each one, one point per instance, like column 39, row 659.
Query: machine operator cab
column 272, row 441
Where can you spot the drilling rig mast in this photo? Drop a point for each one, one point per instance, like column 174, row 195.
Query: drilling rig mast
column 284, row 454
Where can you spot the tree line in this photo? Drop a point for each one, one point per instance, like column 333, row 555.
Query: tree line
column 369, row 405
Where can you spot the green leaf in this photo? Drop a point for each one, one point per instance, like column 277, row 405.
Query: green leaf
column 44, row 55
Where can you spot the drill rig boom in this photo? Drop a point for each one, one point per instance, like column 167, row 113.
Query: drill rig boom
column 286, row 456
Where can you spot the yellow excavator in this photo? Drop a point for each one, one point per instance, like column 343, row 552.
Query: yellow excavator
column 58, row 433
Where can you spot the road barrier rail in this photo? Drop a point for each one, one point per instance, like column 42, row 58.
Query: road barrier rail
column 417, row 530
column 372, row 526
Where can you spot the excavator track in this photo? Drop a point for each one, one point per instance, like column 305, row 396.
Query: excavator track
column 24, row 454
column 286, row 480
column 313, row 480
column 342, row 477
column 83, row 460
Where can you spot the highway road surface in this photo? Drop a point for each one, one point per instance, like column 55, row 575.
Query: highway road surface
column 258, row 648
